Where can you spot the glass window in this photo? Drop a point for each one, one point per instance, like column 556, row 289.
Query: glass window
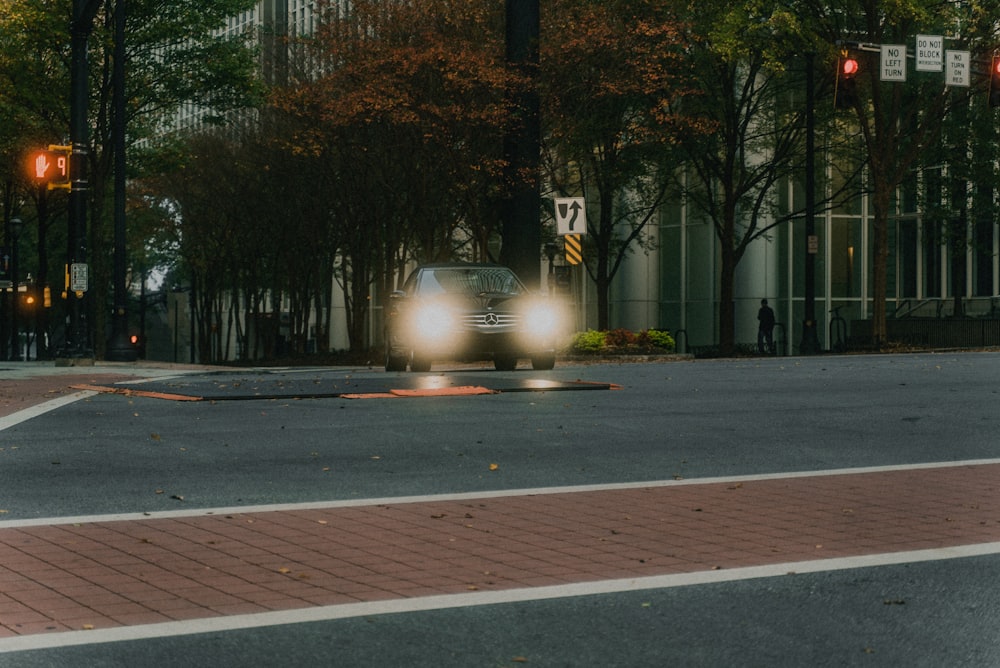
column 932, row 260
column 907, row 258
column 845, row 258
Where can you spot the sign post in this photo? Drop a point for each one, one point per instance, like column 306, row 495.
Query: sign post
column 571, row 224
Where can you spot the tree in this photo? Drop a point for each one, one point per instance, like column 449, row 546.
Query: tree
column 612, row 76
column 405, row 105
column 748, row 60
column 174, row 57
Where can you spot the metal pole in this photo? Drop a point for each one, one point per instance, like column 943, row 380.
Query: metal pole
column 119, row 347
column 521, row 216
column 810, row 342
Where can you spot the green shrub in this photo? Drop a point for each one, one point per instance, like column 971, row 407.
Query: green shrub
column 660, row 339
column 590, row 341
column 622, row 340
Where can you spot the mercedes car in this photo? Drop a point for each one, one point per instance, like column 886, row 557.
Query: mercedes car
column 469, row 312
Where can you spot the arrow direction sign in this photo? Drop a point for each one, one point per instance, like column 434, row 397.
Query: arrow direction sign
column 571, row 215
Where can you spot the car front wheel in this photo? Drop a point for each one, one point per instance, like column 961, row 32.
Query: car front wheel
column 394, row 362
column 543, row 362
column 419, row 362
column 504, row 362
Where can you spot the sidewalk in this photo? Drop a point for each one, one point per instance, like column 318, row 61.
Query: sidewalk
column 26, row 384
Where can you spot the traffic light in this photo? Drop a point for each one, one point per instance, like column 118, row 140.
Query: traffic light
column 995, row 82
column 51, row 167
column 846, row 91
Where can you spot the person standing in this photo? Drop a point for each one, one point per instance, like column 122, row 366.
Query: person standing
column 765, row 328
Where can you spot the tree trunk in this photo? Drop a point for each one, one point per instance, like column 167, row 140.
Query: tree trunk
column 727, row 301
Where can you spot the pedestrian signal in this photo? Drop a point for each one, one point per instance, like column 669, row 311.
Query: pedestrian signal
column 51, row 167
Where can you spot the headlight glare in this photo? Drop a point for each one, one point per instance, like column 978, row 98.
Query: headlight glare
column 541, row 320
column 433, row 322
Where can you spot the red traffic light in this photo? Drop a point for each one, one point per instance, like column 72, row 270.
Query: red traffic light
column 994, row 89
column 845, row 94
column 994, row 93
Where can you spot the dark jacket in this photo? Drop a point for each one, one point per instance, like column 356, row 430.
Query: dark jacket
column 766, row 317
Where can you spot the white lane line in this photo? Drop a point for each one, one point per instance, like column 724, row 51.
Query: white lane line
column 485, row 494
column 446, row 601
column 40, row 409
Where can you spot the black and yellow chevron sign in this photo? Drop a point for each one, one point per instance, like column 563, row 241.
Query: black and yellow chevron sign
column 574, row 249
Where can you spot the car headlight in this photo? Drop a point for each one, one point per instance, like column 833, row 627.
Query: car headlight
column 433, row 322
column 541, row 320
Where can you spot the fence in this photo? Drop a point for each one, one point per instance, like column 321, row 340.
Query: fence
column 932, row 332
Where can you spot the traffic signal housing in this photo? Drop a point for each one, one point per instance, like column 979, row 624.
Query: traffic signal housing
column 50, row 167
column 995, row 82
column 845, row 94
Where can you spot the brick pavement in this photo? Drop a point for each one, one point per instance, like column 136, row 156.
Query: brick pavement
column 17, row 395
column 105, row 574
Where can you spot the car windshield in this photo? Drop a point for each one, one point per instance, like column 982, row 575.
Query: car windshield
column 470, row 281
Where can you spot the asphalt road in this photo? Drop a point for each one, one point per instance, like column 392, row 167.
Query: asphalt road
column 111, row 453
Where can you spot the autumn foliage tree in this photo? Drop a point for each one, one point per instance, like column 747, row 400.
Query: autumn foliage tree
column 404, row 104
column 613, row 74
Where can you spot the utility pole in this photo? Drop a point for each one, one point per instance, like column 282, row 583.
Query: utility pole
column 810, row 340
column 78, row 345
column 522, row 235
column 120, row 349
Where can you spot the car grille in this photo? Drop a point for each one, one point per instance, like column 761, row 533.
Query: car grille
column 490, row 320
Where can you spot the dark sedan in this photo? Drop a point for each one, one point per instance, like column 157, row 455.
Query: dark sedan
column 463, row 311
